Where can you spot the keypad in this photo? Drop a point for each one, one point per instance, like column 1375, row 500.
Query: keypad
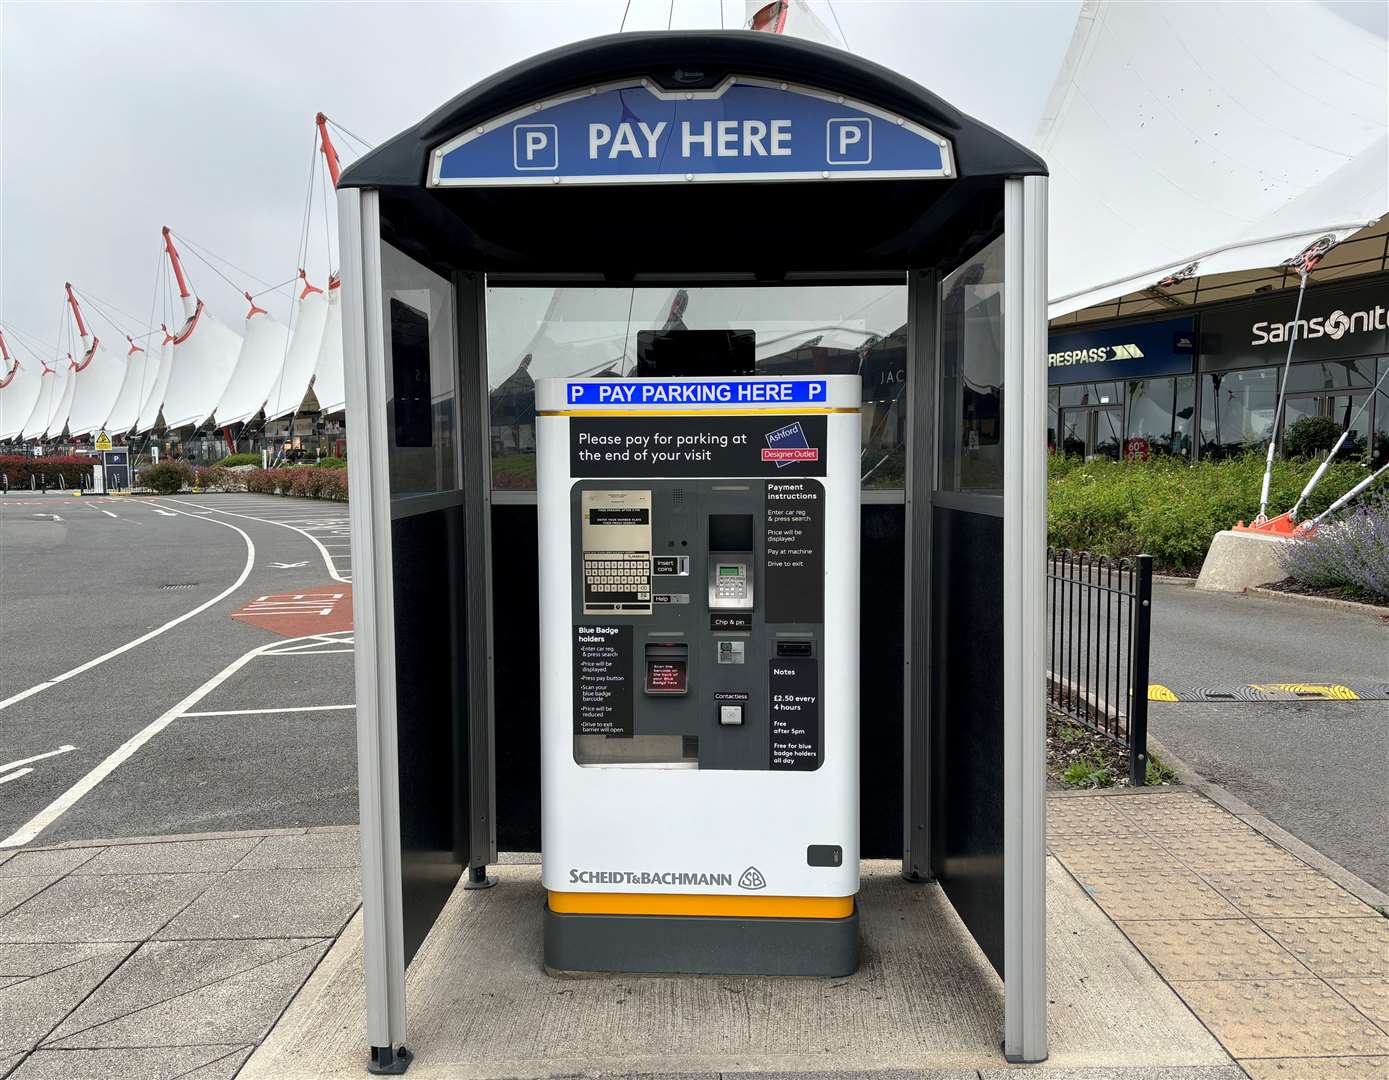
column 618, row 575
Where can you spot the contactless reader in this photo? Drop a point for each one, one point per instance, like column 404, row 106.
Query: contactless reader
column 699, row 569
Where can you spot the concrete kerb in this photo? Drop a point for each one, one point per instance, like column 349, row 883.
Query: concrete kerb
column 1319, row 601
column 179, row 838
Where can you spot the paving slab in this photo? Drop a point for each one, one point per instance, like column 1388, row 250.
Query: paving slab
column 1290, row 894
column 924, row 998
column 173, row 993
column 1369, row 995
column 30, row 1009
column 1137, row 895
column 1329, row 1068
column 1335, row 948
column 103, row 907
column 313, row 849
column 148, row 1063
column 1283, row 1018
column 174, row 857
column 1213, row 949
column 314, row 902
column 44, row 861
column 1137, row 1072
column 15, row 890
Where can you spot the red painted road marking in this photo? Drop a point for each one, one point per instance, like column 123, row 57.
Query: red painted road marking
column 297, row 614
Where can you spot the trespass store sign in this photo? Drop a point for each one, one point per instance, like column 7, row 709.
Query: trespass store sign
column 1144, row 350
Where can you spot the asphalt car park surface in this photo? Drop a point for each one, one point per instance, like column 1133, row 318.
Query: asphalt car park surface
column 1316, row 767
column 217, row 719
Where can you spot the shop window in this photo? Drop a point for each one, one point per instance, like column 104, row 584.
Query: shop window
column 1053, row 418
column 535, row 333
column 971, row 385
column 1160, row 417
column 1237, row 410
column 1379, row 442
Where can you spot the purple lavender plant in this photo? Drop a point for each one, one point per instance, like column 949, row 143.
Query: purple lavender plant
column 1352, row 552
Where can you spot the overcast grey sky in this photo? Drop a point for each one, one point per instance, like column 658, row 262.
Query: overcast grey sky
column 116, row 119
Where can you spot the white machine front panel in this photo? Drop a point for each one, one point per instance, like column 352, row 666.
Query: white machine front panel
column 699, row 713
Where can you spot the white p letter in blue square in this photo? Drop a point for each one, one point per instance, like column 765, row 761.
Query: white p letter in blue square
column 849, row 141
column 535, row 147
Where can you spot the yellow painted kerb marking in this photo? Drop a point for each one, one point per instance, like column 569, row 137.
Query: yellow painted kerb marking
column 1158, row 692
column 766, row 907
column 693, row 412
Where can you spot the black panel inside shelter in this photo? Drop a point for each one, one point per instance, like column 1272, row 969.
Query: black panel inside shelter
column 431, row 735
column 967, row 721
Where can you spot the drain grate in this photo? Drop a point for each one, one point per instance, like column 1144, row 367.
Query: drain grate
column 181, row 585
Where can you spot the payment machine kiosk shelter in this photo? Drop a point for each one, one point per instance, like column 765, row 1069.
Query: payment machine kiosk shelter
column 573, row 216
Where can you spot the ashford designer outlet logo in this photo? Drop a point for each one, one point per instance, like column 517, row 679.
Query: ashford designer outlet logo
column 1335, row 326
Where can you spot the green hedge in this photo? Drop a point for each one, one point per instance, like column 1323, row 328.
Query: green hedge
column 1170, row 509
column 239, row 459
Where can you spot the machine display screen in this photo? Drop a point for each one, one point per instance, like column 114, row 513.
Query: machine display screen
column 666, row 676
column 731, row 571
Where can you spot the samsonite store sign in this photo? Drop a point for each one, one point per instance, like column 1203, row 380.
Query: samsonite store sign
column 1140, row 351
column 1335, row 321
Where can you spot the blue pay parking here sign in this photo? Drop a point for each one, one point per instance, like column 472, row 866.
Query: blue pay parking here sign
column 745, row 129
column 612, row 392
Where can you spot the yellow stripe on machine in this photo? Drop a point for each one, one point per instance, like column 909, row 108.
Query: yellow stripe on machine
column 765, row 907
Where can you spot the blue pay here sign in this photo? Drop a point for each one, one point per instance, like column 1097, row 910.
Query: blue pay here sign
column 636, row 132
column 620, row 392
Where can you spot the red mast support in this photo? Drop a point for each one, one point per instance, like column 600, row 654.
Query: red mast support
column 178, row 266
column 4, row 349
column 77, row 311
column 325, row 143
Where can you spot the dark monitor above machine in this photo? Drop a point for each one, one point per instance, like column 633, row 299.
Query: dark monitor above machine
column 693, row 353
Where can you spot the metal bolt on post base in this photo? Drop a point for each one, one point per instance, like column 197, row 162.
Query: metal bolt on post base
column 389, row 1061
column 478, row 879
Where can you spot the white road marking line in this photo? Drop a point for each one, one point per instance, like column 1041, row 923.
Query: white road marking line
column 65, row 748
column 68, row 799
column 258, row 712
column 108, row 513
column 135, row 642
column 55, row 517
column 289, row 565
column 166, row 513
column 327, row 561
column 15, row 775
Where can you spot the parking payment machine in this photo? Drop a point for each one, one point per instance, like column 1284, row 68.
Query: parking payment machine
column 699, row 673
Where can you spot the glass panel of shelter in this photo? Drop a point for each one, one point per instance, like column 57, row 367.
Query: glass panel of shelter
column 538, row 332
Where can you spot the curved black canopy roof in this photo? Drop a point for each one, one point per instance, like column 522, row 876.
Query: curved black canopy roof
column 770, row 229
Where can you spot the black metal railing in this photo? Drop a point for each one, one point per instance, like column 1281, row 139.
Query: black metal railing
column 1099, row 614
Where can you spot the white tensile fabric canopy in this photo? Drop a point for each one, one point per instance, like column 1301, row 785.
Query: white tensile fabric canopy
column 50, row 390
column 257, row 368
column 19, row 391
column 205, row 354
column 302, row 357
column 126, row 409
column 329, row 383
column 1206, row 138
column 98, row 377
column 157, row 372
column 62, row 406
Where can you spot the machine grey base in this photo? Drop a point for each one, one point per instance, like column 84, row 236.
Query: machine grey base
column 701, row 944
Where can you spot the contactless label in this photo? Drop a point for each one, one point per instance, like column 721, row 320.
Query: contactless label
column 794, row 709
column 603, row 681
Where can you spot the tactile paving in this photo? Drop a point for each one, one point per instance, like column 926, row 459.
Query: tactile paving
column 1221, row 852
column 1291, row 1018
column 1369, row 995
column 1326, row 1068
column 1212, row 949
column 1335, row 948
column 1290, row 894
column 1175, row 813
column 1099, row 855
column 1158, row 896
column 1088, row 817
